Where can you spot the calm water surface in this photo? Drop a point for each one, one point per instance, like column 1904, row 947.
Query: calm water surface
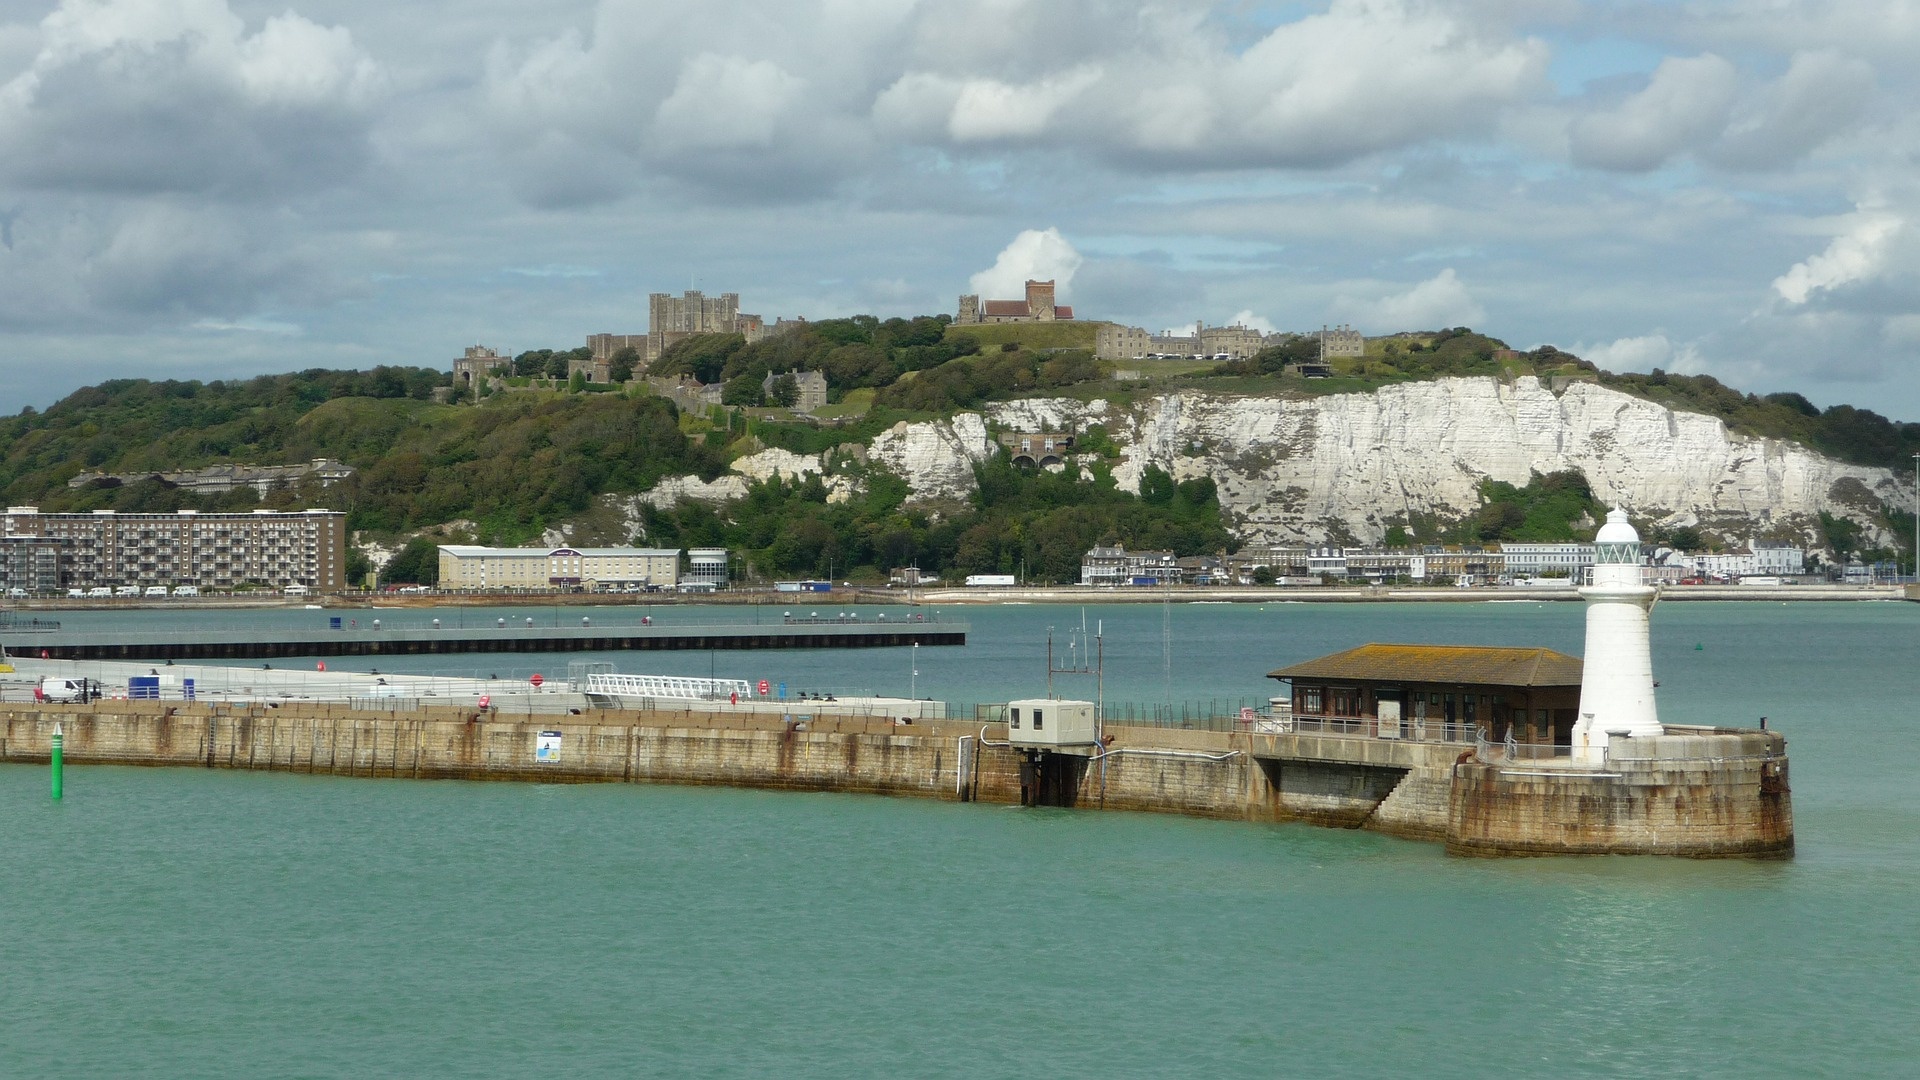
column 187, row 922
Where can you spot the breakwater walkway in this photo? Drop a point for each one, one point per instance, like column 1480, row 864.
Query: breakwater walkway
column 1696, row 792
column 337, row 636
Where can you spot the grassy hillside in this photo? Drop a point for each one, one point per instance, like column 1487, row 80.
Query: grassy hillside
column 528, row 459
column 515, row 465
column 1032, row 336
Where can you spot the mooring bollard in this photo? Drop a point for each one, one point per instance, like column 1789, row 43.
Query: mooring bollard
column 58, row 764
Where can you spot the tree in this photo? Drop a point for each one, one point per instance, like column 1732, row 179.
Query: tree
column 416, row 564
column 741, row 390
column 620, row 366
column 358, row 566
column 784, row 391
column 578, row 382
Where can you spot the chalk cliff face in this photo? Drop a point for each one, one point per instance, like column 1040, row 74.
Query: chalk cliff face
column 1353, row 464
column 1346, row 467
column 936, row 459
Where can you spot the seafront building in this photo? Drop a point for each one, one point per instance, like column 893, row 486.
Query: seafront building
column 268, row 548
column 1117, row 566
column 706, row 568
column 468, row 566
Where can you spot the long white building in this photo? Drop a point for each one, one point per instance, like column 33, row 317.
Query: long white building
column 467, row 566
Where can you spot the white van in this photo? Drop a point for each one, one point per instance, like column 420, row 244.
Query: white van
column 186, row 590
column 99, row 590
column 296, row 590
column 127, row 590
column 16, row 593
column 54, row 688
column 156, row 591
column 74, row 594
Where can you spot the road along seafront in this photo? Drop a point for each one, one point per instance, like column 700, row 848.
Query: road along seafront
column 1665, row 800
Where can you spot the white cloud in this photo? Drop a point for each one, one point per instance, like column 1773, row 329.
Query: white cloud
column 1685, row 101
column 1440, row 301
column 1172, row 94
column 176, row 95
column 1819, row 97
column 726, row 102
column 1251, row 321
column 1036, row 254
column 1639, row 354
column 1855, row 255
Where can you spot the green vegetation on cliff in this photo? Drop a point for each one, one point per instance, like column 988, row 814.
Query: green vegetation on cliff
column 529, row 458
column 1034, row 524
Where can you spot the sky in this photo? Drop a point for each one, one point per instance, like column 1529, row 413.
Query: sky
column 203, row 189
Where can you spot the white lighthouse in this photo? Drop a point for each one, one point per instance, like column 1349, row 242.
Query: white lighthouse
column 1616, row 685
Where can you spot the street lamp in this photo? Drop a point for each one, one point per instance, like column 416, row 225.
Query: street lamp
column 913, row 684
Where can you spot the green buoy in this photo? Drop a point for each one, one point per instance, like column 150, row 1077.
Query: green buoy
column 57, row 763
column 1699, row 646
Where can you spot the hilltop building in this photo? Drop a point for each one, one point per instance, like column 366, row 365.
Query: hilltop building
column 811, row 387
column 1341, row 341
column 1039, row 306
column 674, row 318
column 1112, row 341
column 477, row 366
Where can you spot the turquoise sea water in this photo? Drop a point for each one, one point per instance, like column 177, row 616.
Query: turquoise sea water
column 189, row 922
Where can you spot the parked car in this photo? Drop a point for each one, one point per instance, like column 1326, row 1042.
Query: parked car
column 156, row 590
column 127, row 590
column 16, row 594
column 186, row 590
column 73, row 593
column 99, row 590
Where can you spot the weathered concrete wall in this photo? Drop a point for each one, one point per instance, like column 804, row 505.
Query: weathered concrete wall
column 1703, row 796
column 1691, row 795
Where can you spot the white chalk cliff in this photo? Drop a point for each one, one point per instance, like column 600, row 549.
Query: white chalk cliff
column 1350, row 465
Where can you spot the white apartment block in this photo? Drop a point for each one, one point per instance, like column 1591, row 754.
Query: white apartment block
column 467, row 566
column 1548, row 560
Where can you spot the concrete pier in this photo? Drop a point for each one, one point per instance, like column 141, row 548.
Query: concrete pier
column 1678, row 799
column 514, row 637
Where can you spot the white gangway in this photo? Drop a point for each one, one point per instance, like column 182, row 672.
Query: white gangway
column 623, row 689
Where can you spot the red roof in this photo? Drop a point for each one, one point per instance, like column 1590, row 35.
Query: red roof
column 1061, row 311
column 1004, row 308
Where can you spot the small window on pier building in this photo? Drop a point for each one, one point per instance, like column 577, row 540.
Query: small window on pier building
column 1013, row 718
column 1038, row 719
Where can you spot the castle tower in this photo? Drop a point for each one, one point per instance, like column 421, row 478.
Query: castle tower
column 1040, row 306
column 1616, row 686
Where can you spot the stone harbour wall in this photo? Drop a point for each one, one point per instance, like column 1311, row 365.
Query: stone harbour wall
column 1703, row 796
column 1683, row 795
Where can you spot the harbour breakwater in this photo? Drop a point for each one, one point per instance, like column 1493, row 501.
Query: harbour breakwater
column 1707, row 793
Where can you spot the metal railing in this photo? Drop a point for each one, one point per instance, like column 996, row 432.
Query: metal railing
column 1414, row 730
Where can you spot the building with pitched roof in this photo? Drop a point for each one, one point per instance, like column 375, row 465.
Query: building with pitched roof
column 1438, row 692
column 1039, row 306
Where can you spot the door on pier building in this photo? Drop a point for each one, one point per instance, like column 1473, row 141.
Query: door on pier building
column 1387, row 702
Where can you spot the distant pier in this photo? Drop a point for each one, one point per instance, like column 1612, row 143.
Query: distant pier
column 511, row 636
